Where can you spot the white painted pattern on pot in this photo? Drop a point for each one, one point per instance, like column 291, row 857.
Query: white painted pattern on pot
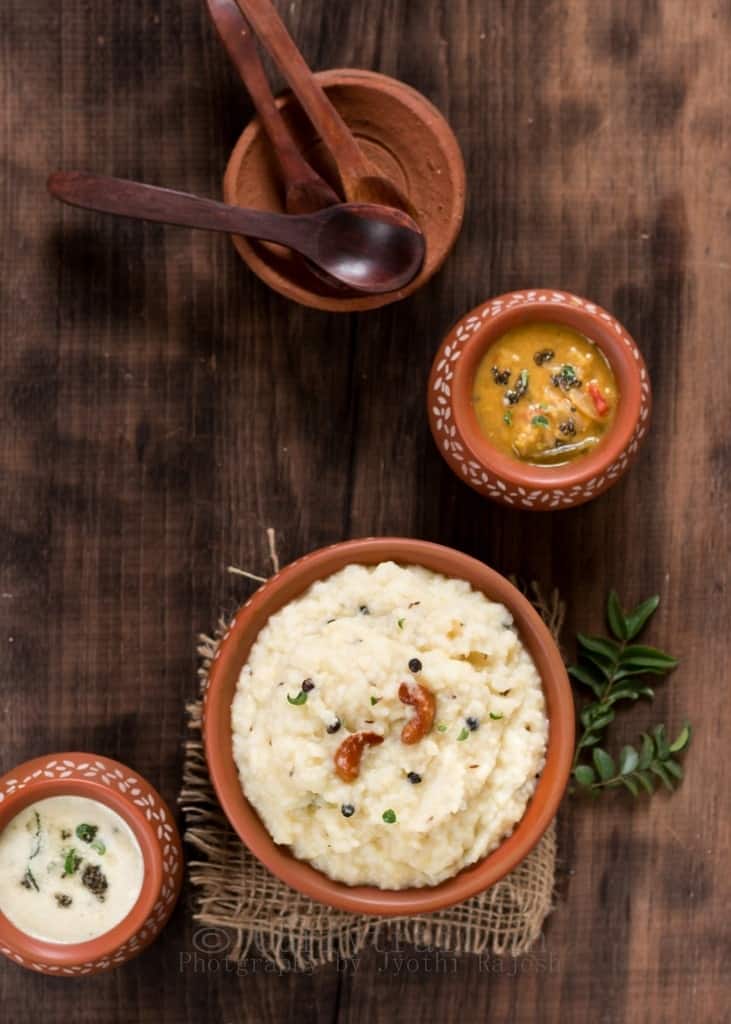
column 475, row 474
column 140, row 793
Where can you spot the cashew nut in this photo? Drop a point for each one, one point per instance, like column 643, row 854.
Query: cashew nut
column 348, row 755
column 424, row 703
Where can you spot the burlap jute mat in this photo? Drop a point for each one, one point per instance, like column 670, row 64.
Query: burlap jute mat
column 236, row 895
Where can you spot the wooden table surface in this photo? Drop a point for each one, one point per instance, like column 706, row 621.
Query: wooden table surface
column 160, row 408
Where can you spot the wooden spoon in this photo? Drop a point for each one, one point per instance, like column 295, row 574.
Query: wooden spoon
column 361, row 181
column 304, row 190
column 369, row 248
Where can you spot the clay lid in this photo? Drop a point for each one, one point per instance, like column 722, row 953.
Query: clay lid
column 401, row 132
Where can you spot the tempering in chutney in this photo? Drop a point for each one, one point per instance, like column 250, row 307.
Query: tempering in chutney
column 544, row 394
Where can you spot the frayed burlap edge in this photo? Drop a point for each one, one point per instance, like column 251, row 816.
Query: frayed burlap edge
column 238, row 896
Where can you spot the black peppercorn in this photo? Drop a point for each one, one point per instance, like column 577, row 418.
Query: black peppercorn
column 472, row 723
column 414, row 778
column 364, row 609
column 347, row 810
column 307, row 685
column 334, row 726
column 415, row 665
column 544, row 356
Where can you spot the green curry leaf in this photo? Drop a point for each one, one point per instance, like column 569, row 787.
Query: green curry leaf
column 614, row 671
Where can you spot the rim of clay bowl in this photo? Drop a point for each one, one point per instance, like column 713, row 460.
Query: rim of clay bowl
column 422, row 109
column 39, row 787
column 217, row 731
column 594, row 323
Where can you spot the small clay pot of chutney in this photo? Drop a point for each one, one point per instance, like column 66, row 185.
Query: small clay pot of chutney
column 557, row 438
column 128, row 804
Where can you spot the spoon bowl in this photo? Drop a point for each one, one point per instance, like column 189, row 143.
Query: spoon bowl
column 369, row 248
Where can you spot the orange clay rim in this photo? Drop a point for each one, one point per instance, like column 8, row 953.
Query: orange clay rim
column 106, row 945
column 233, row 652
column 593, row 325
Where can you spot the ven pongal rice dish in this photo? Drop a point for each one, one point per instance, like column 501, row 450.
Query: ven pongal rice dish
column 389, row 726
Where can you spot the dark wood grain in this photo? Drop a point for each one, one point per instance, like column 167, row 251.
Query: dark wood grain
column 159, row 408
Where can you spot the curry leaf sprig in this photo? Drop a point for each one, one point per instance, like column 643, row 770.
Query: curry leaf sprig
column 615, row 669
column 636, row 769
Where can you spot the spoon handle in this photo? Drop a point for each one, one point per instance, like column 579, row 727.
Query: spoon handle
column 352, row 164
column 149, row 202
column 299, row 176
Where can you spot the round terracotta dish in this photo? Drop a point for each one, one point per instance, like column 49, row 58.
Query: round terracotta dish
column 518, row 484
column 146, row 813
column 401, row 132
column 234, row 651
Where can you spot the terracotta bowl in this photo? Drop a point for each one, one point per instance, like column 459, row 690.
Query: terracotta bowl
column 401, row 133
column 232, row 656
column 468, row 452
column 146, row 813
